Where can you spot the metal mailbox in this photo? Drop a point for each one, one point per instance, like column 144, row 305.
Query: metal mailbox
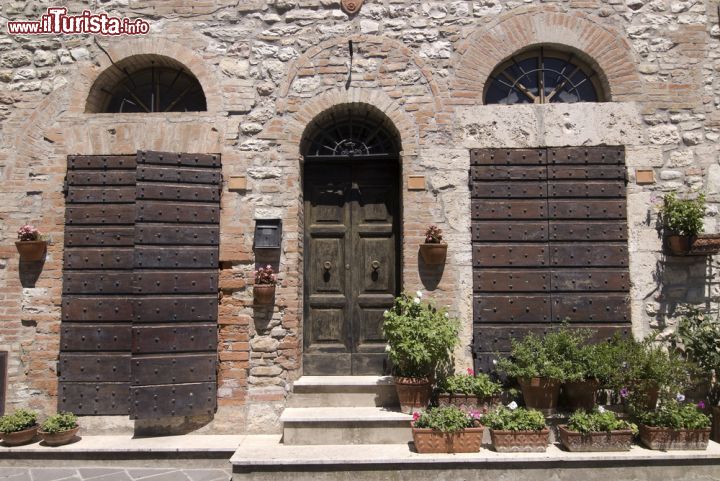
column 268, row 233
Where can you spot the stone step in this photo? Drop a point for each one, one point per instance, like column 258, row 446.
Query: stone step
column 345, row 425
column 343, row 391
column 265, row 458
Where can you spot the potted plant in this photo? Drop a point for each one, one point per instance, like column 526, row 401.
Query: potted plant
column 539, row 367
column 30, row 243
column 682, row 220
column 517, row 430
column 59, row 429
column 590, row 368
column 264, row 288
column 433, row 250
column 598, row 430
column 697, row 339
column 673, row 425
column 420, row 340
column 470, row 392
column 447, row 429
column 19, row 427
column 646, row 372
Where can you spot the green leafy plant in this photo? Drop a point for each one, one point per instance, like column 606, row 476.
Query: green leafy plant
column 675, row 415
column 420, row 336
column 447, row 419
column 683, row 216
column 697, row 339
column 598, row 421
column 644, row 366
column 59, row 422
column 518, row 419
column 556, row 355
column 471, row 384
column 18, row 421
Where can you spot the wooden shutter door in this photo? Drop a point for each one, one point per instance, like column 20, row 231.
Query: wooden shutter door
column 94, row 367
column 549, row 234
column 174, row 333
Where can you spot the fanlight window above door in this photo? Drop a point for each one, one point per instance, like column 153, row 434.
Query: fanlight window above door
column 156, row 89
column 543, row 76
column 350, row 133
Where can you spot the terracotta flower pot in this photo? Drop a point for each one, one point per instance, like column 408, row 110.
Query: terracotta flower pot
column 705, row 244
column 666, row 439
column 31, row 250
column 469, row 402
column 428, row 440
column 413, row 393
column 263, row 294
column 620, row 440
column 433, row 254
column 520, row 441
column 58, row 439
column 678, row 245
column 580, row 394
column 540, row 393
column 19, row 437
column 716, row 424
column 650, row 395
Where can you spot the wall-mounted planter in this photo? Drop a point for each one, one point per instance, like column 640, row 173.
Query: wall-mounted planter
column 701, row 245
column 263, row 294
column 433, row 254
column 31, row 250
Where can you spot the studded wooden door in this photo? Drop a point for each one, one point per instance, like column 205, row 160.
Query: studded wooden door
column 94, row 365
column 549, row 235
column 351, row 265
column 174, row 333
column 139, row 311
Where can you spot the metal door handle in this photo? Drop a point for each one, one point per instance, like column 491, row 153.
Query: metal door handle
column 375, row 265
column 327, row 265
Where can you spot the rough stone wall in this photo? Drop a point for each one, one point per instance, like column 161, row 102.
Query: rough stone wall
column 269, row 66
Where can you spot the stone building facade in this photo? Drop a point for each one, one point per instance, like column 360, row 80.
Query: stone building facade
column 268, row 70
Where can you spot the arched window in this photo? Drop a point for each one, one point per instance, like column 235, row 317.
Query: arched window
column 144, row 84
column 542, row 76
column 356, row 130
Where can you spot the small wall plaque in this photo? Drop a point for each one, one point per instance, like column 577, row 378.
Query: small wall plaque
column 416, row 182
column 351, row 7
column 237, row 182
column 644, row 176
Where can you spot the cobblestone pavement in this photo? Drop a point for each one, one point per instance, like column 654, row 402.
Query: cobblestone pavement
column 113, row 474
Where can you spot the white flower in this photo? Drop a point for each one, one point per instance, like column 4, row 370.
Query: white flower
column 387, row 348
column 419, row 294
column 385, row 313
column 513, row 406
column 601, row 409
column 680, row 397
column 447, row 314
column 494, row 362
column 417, row 300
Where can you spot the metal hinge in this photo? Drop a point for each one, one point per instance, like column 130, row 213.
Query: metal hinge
column 65, row 189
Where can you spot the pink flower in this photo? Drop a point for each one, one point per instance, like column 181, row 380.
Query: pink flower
column 623, row 392
column 416, row 416
column 470, row 371
column 701, row 405
column 475, row 414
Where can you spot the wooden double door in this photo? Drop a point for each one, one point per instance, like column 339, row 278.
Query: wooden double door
column 352, row 254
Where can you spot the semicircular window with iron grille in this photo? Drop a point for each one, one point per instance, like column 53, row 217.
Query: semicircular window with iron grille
column 351, row 132
column 543, row 76
column 156, row 89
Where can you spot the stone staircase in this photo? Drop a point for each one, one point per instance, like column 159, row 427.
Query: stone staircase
column 351, row 429
column 340, row 410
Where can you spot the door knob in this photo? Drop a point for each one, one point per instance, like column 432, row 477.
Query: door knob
column 327, row 265
column 375, row 265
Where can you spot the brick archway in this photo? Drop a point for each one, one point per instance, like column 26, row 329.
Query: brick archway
column 601, row 47
column 88, row 75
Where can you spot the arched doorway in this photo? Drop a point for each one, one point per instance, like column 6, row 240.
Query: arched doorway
column 352, row 239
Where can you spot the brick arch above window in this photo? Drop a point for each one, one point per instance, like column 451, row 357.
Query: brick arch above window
column 599, row 46
column 146, row 83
